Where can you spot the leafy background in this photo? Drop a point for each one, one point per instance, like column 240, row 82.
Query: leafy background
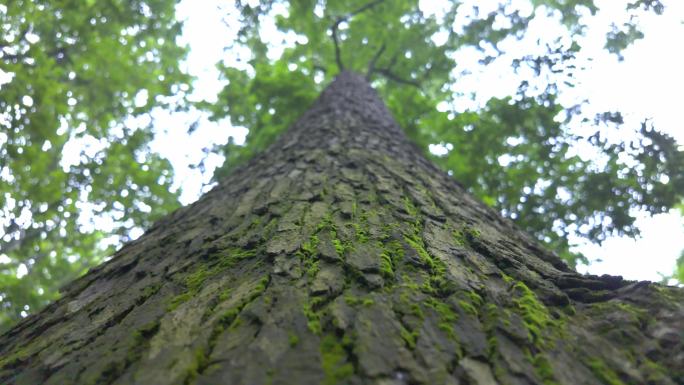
column 96, row 102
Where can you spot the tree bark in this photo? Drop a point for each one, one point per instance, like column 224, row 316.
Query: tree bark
column 342, row 256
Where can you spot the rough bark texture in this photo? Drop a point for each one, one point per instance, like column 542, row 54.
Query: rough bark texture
column 341, row 255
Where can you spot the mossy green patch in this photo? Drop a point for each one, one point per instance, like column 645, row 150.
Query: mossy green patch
column 447, row 316
column 354, row 301
column 543, row 369
column 360, row 226
column 200, row 360
column 217, row 264
column 468, row 307
column 392, row 253
column 293, row 339
column 336, row 366
column 224, row 295
column 416, row 242
column 535, row 315
column 307, row 254
column 603, row 372
column 409, row 337
column 270, row 228
column 437, row 284
column 465, row 235
column 313, row 319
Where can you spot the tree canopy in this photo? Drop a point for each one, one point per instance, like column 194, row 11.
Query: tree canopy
column 79, row 79
column 74, row 74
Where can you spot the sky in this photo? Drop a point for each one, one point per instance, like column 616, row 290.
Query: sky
column 648, row 83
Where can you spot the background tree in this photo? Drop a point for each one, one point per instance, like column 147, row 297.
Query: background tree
column 75, row 168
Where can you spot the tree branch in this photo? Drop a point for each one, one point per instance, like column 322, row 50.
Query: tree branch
column 336, row 26
column 371, row 64
column 338, row 54
column 392, row 76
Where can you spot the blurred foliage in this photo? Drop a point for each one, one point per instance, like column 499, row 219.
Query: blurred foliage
column 520, row 154
column 73, row 75
column 679, row 269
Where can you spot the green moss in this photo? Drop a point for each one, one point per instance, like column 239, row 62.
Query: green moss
column 471, row 303
column 602, row 372
column 193, row 283
column 468, row 307
column 416, row 242
column 334, row 361
column 392, row 253
column 653, row 371
column 232, row 256
column 636, row 315
column 367, row 302
column 465, row 235
column 307, row 254
column 293, row 339
column 148, row 292
column 412, row 306
column 339, row 246
column 507, row 278
column 386, row 266
column 360, row 227
column 447, row 316
column 417, row 311
column 19, row 355
column 438, row 285
column 219, row 263
column 270, row 227
column 229, row 316
column 543, row 368
column 143, row 334
column 259, row 288
column 410, row 208
column 475, row 298
column 409, row 337
column 224, row 295
column 313, row 319
column 535, row 315
column 200, row 360
column 353, row 301
column 139, row 342
column 229, row 319
column 491, row 315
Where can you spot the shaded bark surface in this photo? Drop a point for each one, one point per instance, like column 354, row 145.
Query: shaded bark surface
column 341, row 255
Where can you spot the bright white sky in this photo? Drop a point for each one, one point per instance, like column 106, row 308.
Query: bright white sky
column 648, row 83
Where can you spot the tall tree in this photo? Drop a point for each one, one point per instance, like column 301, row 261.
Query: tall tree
column 73, row 74
column 529, row 168
column 342, row 255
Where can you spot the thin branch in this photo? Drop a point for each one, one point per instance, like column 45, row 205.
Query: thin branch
column 390, row 75
column 363, row 8
column 371, row 64
column 336, row 26
column 338, row 54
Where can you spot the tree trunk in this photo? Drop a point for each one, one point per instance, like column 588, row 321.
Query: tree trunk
column 342, row 256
